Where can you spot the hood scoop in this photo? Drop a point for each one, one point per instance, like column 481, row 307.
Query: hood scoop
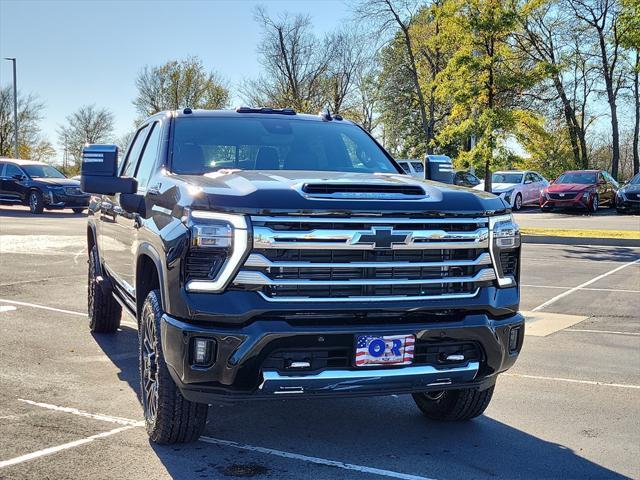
column 364, row 191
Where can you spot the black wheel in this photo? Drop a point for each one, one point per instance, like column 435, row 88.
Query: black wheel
column 36, row 202
column 517, row 203
column 104, row 311
column 78, row 210
column 595, row 203
column 454, row 405
column 169, row 417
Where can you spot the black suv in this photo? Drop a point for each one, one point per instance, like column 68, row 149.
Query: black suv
column 268, row 254
column 39, row 186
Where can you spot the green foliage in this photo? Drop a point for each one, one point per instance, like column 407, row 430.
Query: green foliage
column 483, row 80
column 179, row 84
column 630, row 24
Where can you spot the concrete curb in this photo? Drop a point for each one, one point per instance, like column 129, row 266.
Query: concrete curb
column 602, row 242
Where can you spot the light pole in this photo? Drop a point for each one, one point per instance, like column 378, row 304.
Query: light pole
column 15, row 108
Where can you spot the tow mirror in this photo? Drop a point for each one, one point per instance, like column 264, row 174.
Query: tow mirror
column 99, row 171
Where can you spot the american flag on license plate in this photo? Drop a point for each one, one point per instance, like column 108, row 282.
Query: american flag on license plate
column 398, row 350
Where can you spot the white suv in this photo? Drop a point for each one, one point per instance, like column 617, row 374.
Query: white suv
column 517, row 187
column 412, row 167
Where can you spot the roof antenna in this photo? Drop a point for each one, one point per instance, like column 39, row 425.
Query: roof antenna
column 325, row 114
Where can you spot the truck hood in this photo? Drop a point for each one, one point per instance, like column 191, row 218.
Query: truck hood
column 253, row 191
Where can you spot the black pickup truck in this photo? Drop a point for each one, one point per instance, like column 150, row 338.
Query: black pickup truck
column 268, row 254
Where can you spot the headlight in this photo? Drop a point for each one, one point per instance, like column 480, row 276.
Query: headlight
column 504, row 235
column 219, row 241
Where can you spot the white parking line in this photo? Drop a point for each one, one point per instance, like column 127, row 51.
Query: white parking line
column 129, row 423
column 581, row 286
column 587, row 289
column 43, row 307
column 612, row 332
column 7, row 308
column 572, row 380
column 82, row 413
column 316, row 460
column 64, row 446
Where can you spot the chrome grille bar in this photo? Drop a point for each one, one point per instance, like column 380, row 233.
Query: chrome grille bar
column 260, row 261
column 264, row 237
column 369, row 220
column 377, row 298
column 247, row 277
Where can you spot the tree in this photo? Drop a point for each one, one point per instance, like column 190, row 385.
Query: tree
column 398, row 16
column 630, row 39
column 601, row 18
column 88, row 124
column 179, row 84
column 484, row 79
column 295, row 63
column 549, row 39
column 30, row 112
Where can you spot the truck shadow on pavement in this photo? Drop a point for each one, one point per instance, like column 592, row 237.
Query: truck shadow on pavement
column 599, row 254
column 382, row 432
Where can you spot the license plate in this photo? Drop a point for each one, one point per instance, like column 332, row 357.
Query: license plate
column 384, row 350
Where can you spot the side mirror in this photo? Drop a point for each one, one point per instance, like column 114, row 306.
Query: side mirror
column 18, row 176
column 99, row 171
column 527, row 182
column 602, row 182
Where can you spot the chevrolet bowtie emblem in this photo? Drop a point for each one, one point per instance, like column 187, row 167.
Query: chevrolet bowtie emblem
column 382, row 238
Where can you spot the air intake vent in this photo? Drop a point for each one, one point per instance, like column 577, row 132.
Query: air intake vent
column 341, row 190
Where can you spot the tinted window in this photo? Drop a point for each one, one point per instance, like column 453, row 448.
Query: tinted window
column 42, row 171
column 472, row 179
column 134, row 152
column 2, row 169
column 418, row 167
column 583, row 178
column 206, row 144
column 405, row 166
column 12, row 170
column 148, row 160
column 506, row 178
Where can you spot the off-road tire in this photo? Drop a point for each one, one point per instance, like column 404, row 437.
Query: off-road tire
column 78, row 210
column 35, row 202
column 104, row 311
column 173, row 419
column 454, row 405
column 517, row 208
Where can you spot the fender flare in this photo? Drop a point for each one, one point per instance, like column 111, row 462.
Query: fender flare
column 150, row 251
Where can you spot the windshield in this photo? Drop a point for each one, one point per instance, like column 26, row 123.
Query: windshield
column 506, row 178
column 42, row 171
column 635, row 180
column 583, row 178
column 207, row 144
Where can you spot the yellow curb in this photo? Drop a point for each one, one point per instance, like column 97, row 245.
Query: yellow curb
column 561, row 232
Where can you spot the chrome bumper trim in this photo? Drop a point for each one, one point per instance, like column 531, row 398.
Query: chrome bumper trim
column 260, row 261
column 367, row 220
column 422, row 376
column 379, row 298
column 247, row 277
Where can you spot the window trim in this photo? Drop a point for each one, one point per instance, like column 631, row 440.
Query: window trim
column 125, row 163
column 153, row 126
column 19, row 168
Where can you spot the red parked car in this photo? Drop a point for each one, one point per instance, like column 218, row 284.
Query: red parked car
column 581, row 189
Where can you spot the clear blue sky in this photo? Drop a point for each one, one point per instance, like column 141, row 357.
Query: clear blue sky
column 72, row 53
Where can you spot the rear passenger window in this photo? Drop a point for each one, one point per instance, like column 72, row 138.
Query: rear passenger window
column 418, row 167
column 148, row 160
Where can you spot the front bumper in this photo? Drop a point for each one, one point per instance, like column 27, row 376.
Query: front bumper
column 575, row 203
column 623, row 204
column 59, row 200
column 238, row 371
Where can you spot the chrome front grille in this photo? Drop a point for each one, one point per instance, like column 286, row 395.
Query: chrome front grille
column 373, row 258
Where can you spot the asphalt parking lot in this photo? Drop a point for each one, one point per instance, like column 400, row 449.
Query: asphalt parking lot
column 69, row 409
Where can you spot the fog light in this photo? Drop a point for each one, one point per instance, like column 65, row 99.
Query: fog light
column 514, row 335
column 203, row 351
